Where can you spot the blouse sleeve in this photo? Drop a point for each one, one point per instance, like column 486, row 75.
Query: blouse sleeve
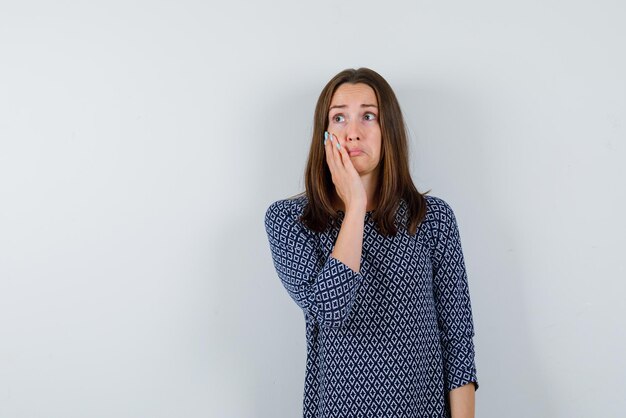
column 324, row 287
column 452, row 301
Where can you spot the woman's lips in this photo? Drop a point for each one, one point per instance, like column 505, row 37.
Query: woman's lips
column 354, row 153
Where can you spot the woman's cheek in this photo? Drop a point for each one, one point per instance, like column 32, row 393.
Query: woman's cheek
column 336, row 127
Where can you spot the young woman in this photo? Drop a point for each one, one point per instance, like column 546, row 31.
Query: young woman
column 376, row 267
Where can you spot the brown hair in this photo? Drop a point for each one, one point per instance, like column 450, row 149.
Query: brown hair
column 394, row 180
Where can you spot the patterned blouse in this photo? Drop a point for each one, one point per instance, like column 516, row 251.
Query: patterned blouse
column 391, row 340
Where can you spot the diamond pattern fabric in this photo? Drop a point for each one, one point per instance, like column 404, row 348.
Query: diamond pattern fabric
column 391, row 340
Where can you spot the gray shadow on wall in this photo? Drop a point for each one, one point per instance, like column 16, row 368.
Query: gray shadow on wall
column 283, row 362
column 265, row 330
column 447, row 134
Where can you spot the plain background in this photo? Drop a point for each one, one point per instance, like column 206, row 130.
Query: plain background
column 142, row 142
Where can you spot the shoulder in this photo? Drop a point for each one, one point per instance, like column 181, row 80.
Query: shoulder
column 437, row 209
column 285, row 213
column 283, row 224
column 440, row 219
column 292, row 207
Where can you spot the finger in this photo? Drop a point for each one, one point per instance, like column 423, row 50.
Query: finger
column 332, row 143
column 330, row 157
column 346, row 160
column 339, row 151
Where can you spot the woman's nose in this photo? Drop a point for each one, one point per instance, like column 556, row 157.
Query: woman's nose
column 352, row 132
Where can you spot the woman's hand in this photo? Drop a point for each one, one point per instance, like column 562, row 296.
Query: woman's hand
column 346, row 179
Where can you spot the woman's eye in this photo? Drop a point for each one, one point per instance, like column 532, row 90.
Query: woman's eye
column 370, row 116
column 338, row 118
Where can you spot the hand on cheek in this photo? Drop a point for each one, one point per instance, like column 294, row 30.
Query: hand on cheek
column 346, row 179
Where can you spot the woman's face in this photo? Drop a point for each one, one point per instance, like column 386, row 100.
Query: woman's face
column 353, row 118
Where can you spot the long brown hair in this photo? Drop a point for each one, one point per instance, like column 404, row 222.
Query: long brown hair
column 394, row 180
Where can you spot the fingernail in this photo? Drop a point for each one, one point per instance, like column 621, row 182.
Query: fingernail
column 325, row 136
column 338, row 146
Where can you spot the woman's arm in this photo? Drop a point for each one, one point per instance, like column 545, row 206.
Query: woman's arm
column 349, row 186
column 323, row 286
column 349, row 244
column 462, row 401
column 452, row 301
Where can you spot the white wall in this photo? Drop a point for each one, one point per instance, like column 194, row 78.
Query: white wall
column 141, row 142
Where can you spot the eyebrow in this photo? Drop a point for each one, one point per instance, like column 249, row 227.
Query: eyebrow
column 342, row 106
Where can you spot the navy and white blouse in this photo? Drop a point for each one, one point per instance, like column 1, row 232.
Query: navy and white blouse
column 391, row 340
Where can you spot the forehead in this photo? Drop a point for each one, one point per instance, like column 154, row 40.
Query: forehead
column 359, row 93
